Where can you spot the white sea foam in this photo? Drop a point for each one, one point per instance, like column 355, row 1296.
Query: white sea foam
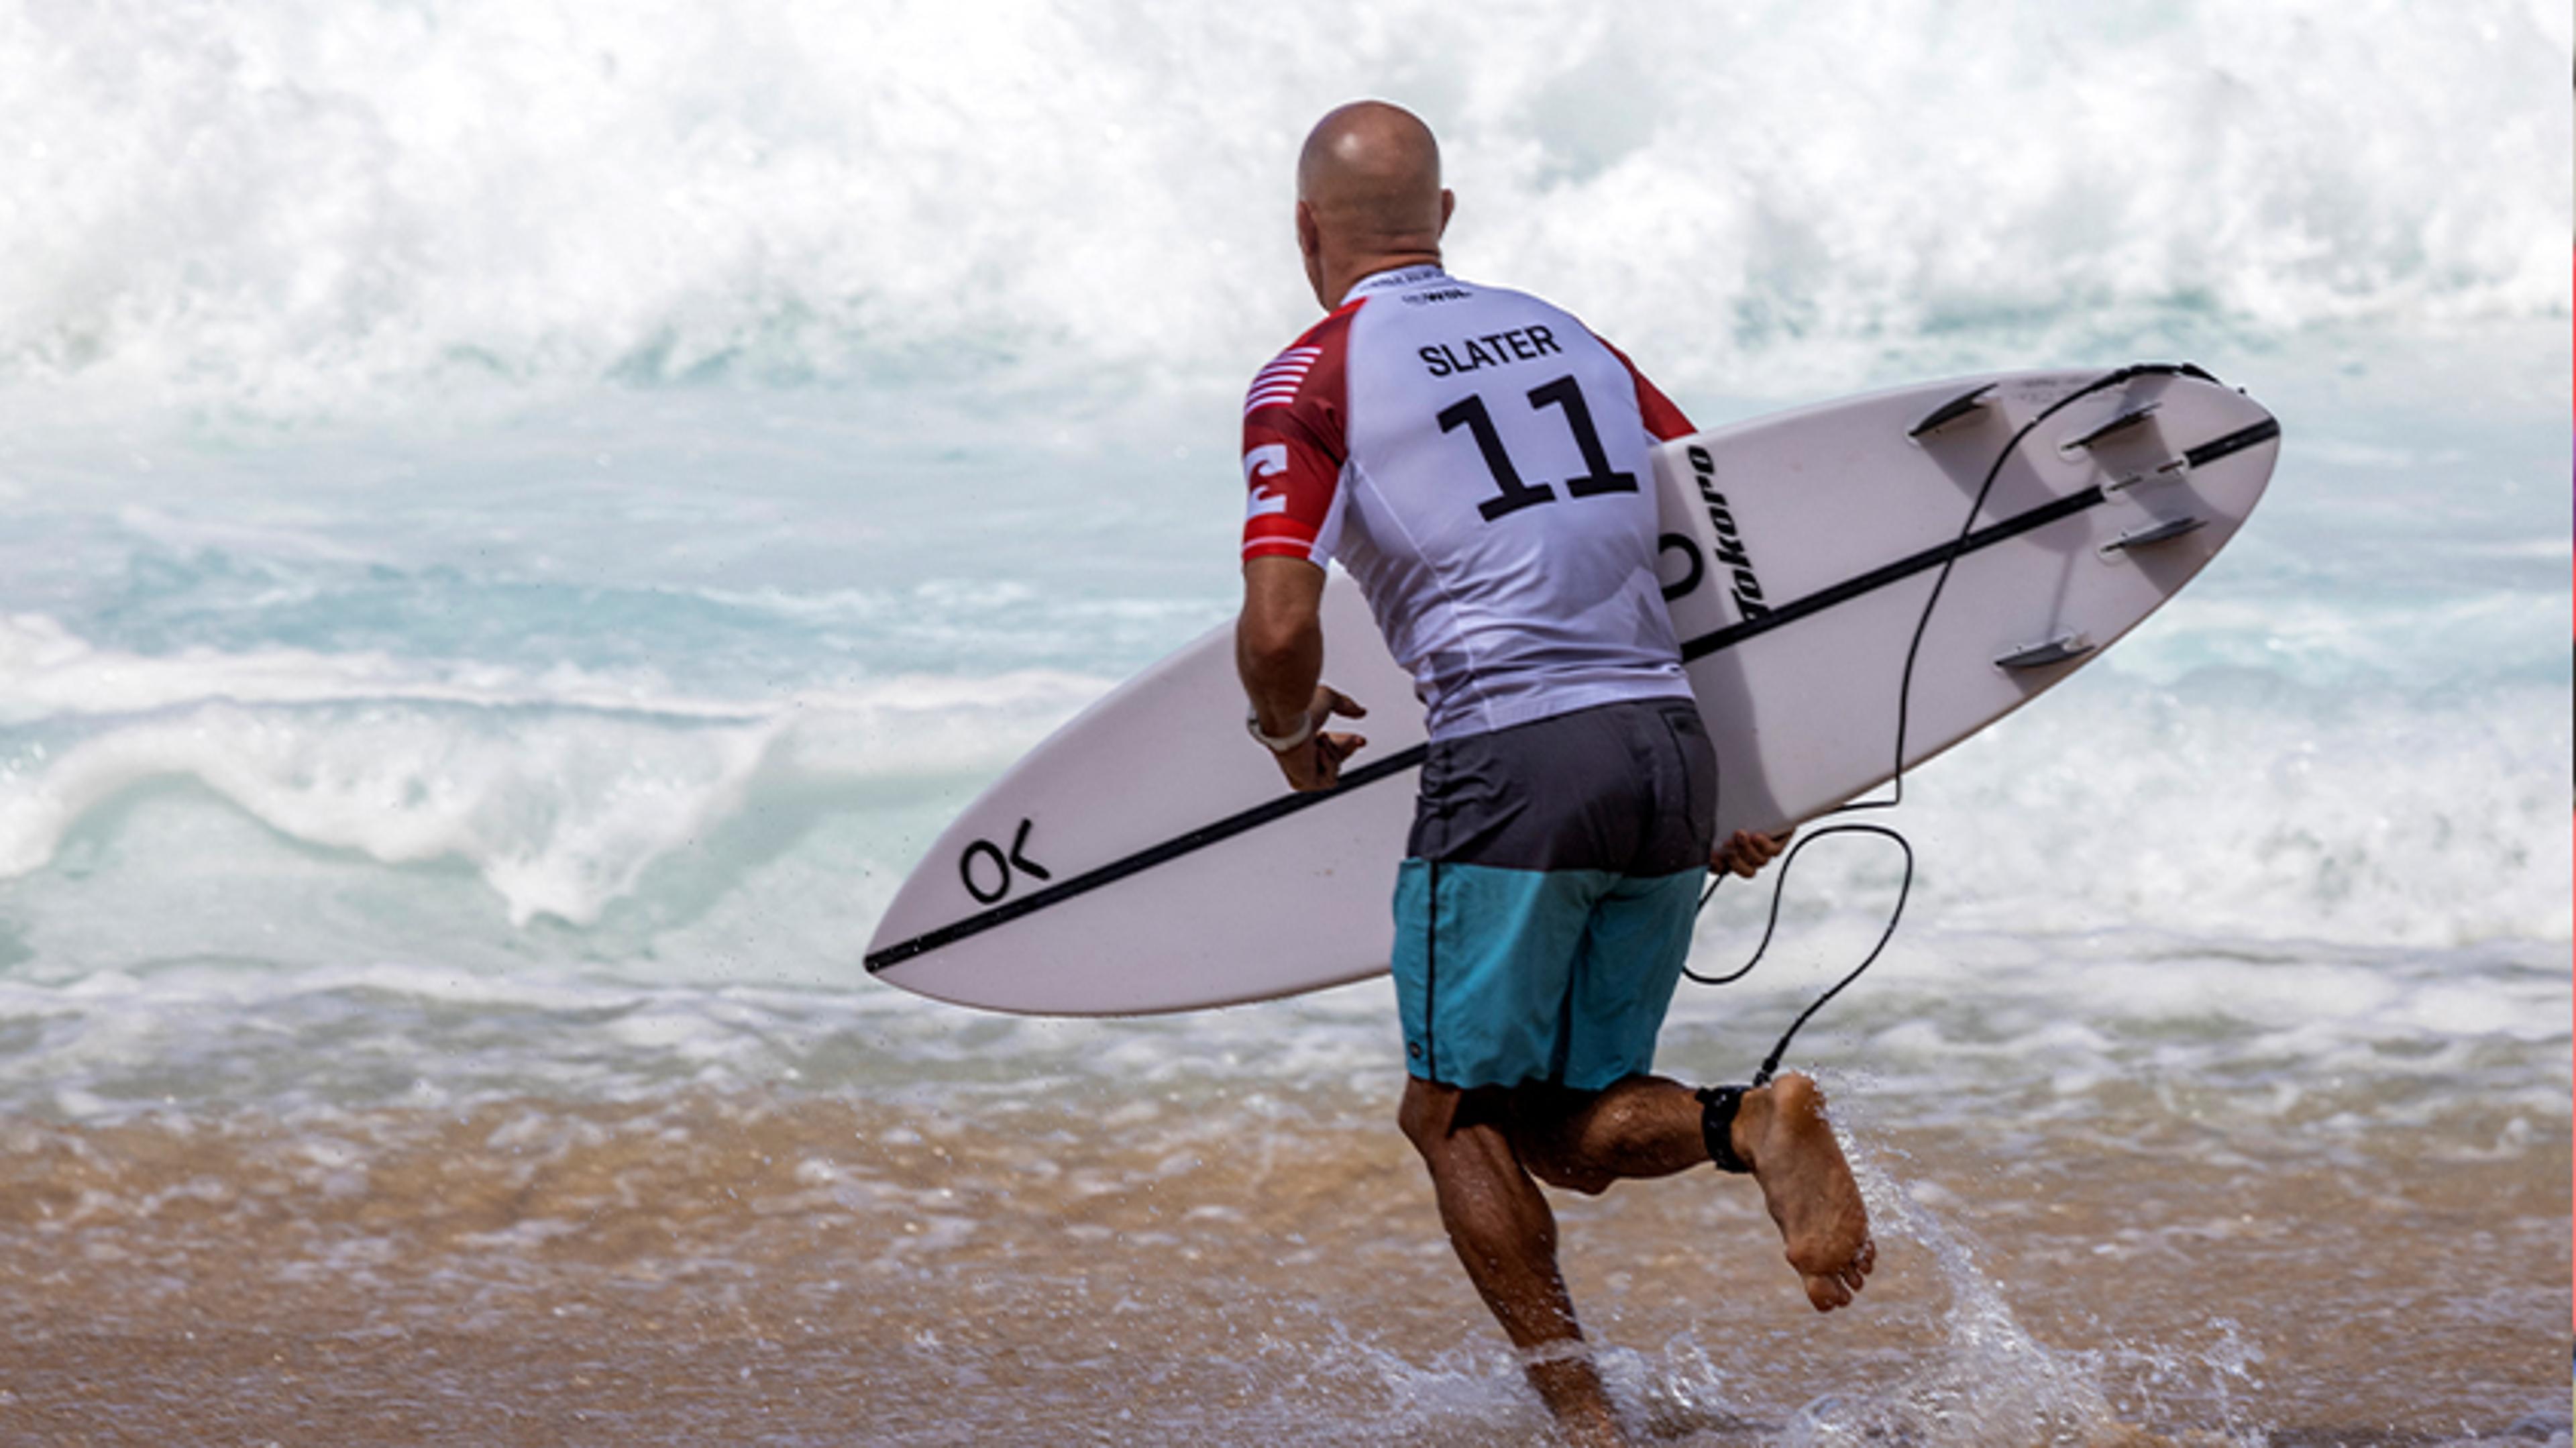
column 2237, row 804
column 292, row 204
column 2074, row 1030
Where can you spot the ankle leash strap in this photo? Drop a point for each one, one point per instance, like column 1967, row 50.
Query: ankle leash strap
column 1717, row 1106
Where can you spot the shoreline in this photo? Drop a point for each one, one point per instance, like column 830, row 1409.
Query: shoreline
column 1255, row 1263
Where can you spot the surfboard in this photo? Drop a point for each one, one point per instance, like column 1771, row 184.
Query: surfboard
column 1147, row 858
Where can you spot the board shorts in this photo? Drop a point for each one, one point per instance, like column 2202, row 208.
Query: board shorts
column 1545, row 908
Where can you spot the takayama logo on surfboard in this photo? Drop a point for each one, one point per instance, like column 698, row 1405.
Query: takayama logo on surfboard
column 1731, row 554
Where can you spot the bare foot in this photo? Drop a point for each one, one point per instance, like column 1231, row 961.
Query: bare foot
column 1781, row 1129
column 1572, row 1390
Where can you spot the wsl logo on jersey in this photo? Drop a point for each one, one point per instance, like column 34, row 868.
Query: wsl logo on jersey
column 1731, row 554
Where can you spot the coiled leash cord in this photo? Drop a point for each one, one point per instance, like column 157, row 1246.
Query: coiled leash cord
column 1904, row 703
column 1771, row 1063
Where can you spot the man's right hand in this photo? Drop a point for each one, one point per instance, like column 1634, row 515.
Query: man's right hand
column 1317, row 764
column 1745, row 852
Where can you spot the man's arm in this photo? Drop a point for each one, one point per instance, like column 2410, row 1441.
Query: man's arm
column 1279, row 653
column 1279, row 639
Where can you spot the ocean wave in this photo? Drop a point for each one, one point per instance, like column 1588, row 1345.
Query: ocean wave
column 2210, row 779
column 378, row 206
column 48, row 672
column 558, row 788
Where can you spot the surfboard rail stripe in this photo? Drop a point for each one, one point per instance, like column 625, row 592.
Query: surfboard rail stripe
column 1693, row 650
column 1144, row 859
column 1403, row 760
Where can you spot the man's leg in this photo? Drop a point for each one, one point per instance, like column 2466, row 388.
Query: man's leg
column 1646, row 1126
column 1499, row 1222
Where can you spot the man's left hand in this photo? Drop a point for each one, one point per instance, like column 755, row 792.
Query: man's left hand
column 1317, row 763
column 1745, row 852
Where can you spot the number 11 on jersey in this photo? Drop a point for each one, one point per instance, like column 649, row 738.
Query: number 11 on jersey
column 1469, row 412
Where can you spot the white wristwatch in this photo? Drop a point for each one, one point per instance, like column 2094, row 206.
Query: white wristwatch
column 1279, row 743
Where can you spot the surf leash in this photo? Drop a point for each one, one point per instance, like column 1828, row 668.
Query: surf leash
column 1904, row 703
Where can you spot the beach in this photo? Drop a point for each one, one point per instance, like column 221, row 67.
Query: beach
column 1218, row 1262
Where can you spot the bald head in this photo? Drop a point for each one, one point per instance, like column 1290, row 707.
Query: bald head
column 1368, row 195
column 1373, row 167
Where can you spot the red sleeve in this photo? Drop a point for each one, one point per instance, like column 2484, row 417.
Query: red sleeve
column 1663, row 419
column 1293, row 445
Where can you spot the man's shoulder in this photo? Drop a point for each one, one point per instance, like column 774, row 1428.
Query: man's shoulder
column 1335, row 323
column 1283, row 378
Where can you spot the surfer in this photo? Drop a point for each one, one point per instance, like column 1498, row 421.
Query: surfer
column 1475, row 457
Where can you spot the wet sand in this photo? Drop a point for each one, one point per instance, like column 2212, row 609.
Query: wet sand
column 1220, row 1265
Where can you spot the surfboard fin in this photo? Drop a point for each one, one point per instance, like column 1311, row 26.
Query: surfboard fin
column 2062, row 649
column 2152, row 534
column 2117, row 425
column 1957, row 409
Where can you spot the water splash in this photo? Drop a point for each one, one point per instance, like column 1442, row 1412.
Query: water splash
column 1992, row 1384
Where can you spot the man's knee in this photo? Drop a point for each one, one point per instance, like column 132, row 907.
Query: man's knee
column 1426, row 1112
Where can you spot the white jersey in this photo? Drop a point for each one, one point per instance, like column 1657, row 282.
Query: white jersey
column 1478, row 461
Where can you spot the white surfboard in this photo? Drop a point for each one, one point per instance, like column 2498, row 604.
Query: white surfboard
column 1146, row 856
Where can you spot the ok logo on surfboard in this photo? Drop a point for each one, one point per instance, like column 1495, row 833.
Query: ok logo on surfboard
column 988, row 870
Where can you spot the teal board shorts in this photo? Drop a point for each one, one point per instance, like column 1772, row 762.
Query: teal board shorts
column 1544, row 909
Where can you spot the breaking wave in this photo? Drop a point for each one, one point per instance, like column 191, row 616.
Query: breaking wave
column 295, row 205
